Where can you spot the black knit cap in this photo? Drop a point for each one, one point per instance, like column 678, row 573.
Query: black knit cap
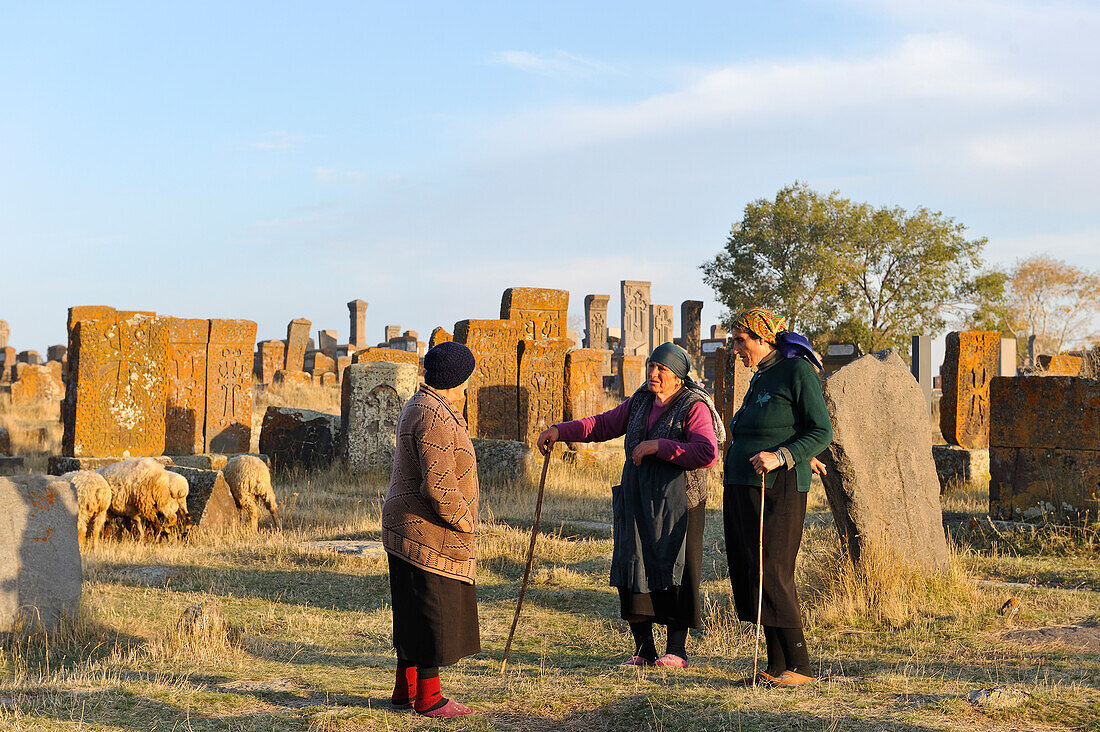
column 447, row 365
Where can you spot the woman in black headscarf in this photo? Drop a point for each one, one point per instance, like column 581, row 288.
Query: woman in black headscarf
column 672, row 432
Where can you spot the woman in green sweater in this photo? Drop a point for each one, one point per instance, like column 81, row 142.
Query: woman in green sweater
column 779, row 429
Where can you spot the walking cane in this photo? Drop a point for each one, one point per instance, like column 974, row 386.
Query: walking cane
column 530, row 556
column 759, row 585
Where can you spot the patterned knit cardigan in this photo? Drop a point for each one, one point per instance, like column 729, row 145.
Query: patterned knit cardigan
column 430, row 510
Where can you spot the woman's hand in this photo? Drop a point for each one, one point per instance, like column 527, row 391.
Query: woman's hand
column 764, row 462
column 547, row 438
column 817, row 466
column 649, row 447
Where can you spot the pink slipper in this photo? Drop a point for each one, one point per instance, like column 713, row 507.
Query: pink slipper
column 450, row 709
column 637, row 661
column 672, row 660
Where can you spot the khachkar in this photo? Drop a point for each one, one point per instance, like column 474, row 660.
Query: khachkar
column 691, row 313
column 491, row 400
column 297, row 338
column 372, row 395
column 595, row 321
column 357, row 313
column 972, row 358
column 116, row 396
column 584, row 394
column 272, row 357
column 660, row 325
column 635, row 318
column 229, row 385
column 540, row 311
column 541, row 388
column 185, row 398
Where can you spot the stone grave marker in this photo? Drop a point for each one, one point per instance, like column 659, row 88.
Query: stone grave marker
column 209, row 500
column 393, row 355
column 970, row 361
column 5, row 333
column 357, row 313
column 1007, row 361
column 921, row 366
column 56, row 353
column 634, row 304
column 185, row 392
column 323, row 364
column 297, row 342
column 439, row 335
column 595, row 321
column 7, row 363
column 327, row 342
column 292, row 378
column 30, row 357
column 229, row 385
column 584, row 394
column 342, row 363
column 631, row 374
column 371, row 398
column 660, row 326
column 272, row 358
column 491, row 396
column 731, row 383
column 36, row 385
column 393, row 332
column 691, row 314
column 299, row 437
column 541, row 311
column 541, row 388
column 838, row 355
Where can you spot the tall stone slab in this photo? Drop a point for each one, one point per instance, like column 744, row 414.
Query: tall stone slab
column 660, row 326
column 56, row 353
column 541, row 311
column 299, row 437
column 7, row 363
column 357, row 314
column 971, row 359
column 584, row 394
column 40, row 569
column 36, row 385
column 371, row 398
column 297, row 341
column 541, row 386
column 731, row 383
column 881, row 481
column 322, row 364
column 117, row 388
column 392, row 332
column 272, row 358
column 229, row 385
column 491, row 395
column 635, row 317
column 1007, row 361
column 1052, row 412
column 5, row 333
column 327, row 342
column 185, row 392
column 439, row 335
column 920, row 366
column 595, row 321
column 691, row 333
column 631, row 374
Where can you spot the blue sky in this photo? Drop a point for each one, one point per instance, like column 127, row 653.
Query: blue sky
column 276, row 160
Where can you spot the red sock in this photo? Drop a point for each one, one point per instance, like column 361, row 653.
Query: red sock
column 428, row 694
column 404, row 688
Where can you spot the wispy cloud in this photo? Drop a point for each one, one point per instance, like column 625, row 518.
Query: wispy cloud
column 556, row 63
column 277, row 140
column 336, row 175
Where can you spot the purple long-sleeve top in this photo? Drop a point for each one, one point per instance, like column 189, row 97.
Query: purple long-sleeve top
column 700, row 450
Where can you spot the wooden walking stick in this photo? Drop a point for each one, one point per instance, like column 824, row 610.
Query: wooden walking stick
column 759, row 585
column 530, row 556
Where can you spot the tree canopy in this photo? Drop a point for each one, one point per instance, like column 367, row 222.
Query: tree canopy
column 844, row 270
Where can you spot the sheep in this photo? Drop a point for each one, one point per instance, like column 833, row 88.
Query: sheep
column 249, row 479
column 142, row 491
column 93, row 498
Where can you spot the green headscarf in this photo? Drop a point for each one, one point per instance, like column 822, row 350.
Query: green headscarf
column 675, row 358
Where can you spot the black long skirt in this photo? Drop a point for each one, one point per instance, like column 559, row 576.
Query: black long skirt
column 784, row 515
column 434, row 617
column 678, row 605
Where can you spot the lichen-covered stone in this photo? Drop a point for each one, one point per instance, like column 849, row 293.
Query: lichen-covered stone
column 185, row 407
column 634, row 304
column 209, row 502
column 1061, row 412
column 229, row 385
column 972, row 358
column 36, row 385
column 1038, row 482
column 491, row 395
column 541, row 388
column 371, row 398
column 299, row 437
column 439, row 335
column 595, row 321
column 374, row 354
column 292, row 378
column 631, row 374
column 506, row 463
column 61, row 464
column 661, row 325
column 297, row 341
column 542, row 312
column 271, row 357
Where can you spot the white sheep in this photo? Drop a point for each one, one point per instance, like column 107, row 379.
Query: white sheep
column 141, row 490
column 249, row 479
column 93, row 498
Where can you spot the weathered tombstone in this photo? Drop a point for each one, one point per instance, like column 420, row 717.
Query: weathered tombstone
column 371, row 398
column 116, row 391
column 878, row 410
column 541, row 311
column 5, row 441
column 299, row 437
column 1044, row 447
column 691, row 314
column 229, row 385
column 185, row 392
column 329, row 378
column 970, row 361
column 718, row 332
column 56, row 353
column 272, row 359
column 326, row 342
column 584, row 394
column 392, row 332
column 731, row 383
column 1007, row 362
column 660, row 326
column 439, row 335
column 1031, row 363
column 36, row 385
column 5, row 333
column 411, row 334
column 292, row 378
column 209, row 500
column 1060, row 365
column 40, row 569
column 635, row 317
column 357, row 312
column 7, row 363
column 631, row 374
column 838, row 355
column 491, row 395
column 297, row 341
column 30, row 357
column 595, row 321
column 921, row 366
column 322, row 364
column 342, row 363
column 541, row 389
column 393, row 355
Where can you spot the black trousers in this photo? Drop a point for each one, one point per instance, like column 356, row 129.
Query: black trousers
column 784, row 515
column 434, row 617
column 677, row 605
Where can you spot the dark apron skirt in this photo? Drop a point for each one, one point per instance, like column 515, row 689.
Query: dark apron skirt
column 434, row 617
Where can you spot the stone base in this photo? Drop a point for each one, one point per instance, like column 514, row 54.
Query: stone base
column 956, row 464
column 1030, row 483
column 209, row 501
column 10, row 464
column 60, row 464
column 506, row 462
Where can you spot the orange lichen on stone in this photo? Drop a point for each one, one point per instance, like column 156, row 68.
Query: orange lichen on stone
column 439, row 335
column 36, row 384
column 972, row 358
column 374, row 354
column 584, row 394
column 540, row 379
column 272, row 357
column 631, row 370
column 491, row 394
column 229, row 385
column 1062, row 365
column 185, row 407
column 541, row 311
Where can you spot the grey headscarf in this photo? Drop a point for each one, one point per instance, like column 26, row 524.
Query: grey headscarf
column 679, row 362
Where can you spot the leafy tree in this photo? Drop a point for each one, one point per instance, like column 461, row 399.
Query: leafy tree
column 850, row 271
column 1054, row 301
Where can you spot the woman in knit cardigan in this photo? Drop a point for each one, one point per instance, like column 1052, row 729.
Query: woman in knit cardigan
column 428, row 520
column 780, row 428
column 658, row 511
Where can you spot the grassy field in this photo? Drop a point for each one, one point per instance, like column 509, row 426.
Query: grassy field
column 293, row 638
